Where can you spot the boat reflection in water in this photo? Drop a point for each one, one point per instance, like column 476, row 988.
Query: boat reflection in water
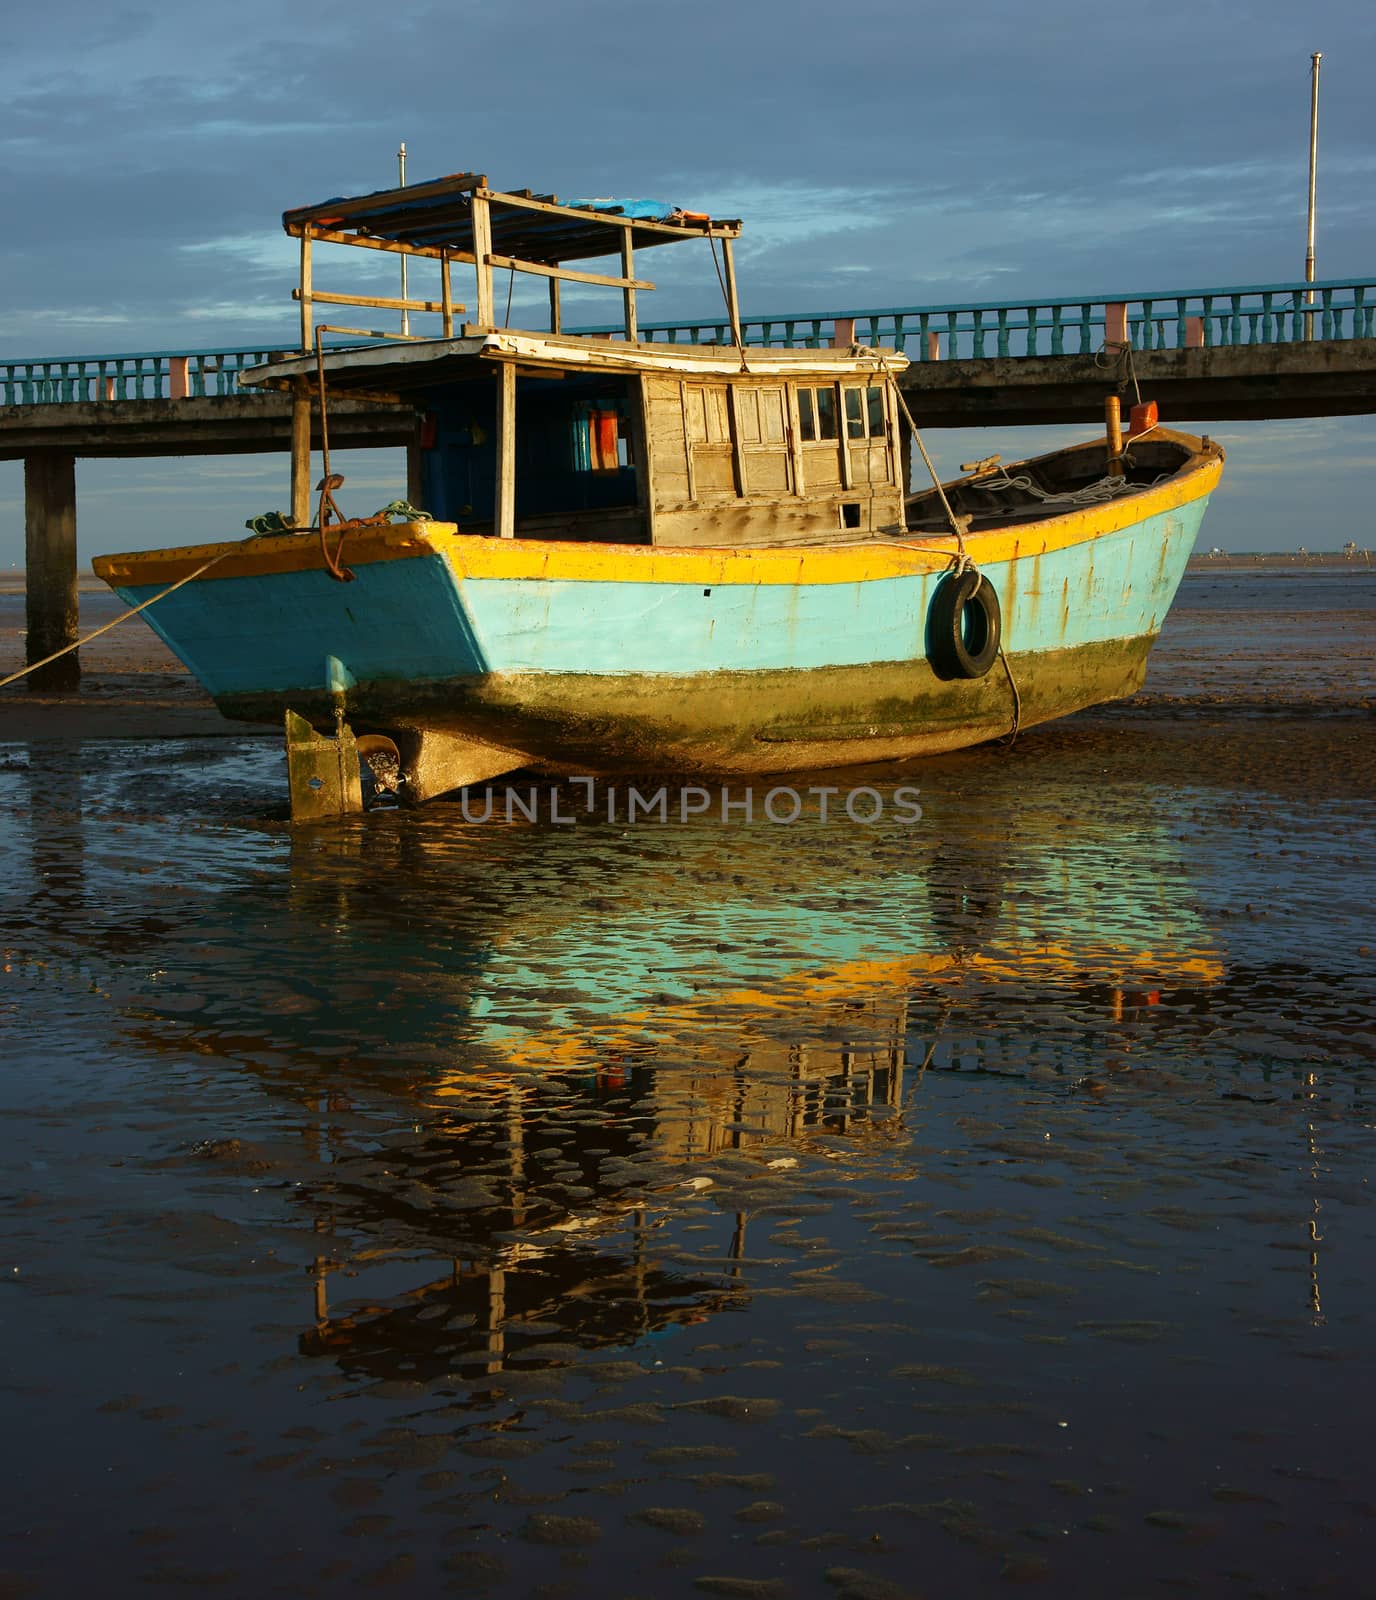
column 520, row 1051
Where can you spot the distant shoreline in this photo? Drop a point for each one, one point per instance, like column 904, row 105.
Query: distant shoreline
column 1283, row 560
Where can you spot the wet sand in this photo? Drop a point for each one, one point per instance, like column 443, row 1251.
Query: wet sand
column 836, row 1209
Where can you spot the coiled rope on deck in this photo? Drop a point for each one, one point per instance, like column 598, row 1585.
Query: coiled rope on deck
column 1100, row 492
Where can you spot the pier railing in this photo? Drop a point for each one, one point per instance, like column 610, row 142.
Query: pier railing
column 147, row 375
column 1274, row 313
column 142, row 375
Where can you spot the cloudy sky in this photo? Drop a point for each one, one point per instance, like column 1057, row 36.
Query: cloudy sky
column 881, row 154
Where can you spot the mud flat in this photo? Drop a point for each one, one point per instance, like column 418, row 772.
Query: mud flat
column 132, row 686
column 610, row 1211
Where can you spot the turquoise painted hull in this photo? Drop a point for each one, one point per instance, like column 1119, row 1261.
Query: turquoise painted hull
column 416, row 622
column 615, row 674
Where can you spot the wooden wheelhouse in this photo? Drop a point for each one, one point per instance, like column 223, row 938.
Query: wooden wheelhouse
column 554, row 435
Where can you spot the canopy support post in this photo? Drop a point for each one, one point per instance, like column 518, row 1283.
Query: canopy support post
column 506, row 452
column 628, row 294
column 300, row 454
column 482, row 250
column 306, row 334
column 556, row 320
column 733, row 308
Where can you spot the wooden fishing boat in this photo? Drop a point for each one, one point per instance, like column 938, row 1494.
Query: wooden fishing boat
column 653, row 557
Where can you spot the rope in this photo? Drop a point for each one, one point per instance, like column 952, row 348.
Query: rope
column 736, row 337
column 963, row 561
column 1096, row 493
column 1120, row 353
column 329, row 480
column 1012, row 736
column 143, row 605
column 396, row 508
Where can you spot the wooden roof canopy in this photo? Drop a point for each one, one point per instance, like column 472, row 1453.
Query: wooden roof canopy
column 437, row 218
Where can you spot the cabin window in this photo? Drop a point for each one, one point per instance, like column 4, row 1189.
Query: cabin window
column 817, row 413
column 874, row 401
column 865, row 413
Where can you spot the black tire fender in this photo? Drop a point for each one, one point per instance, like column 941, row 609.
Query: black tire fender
column 964, row 626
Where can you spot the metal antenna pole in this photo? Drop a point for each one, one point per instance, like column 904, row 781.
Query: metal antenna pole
column 406, row 315
column 1313, row 168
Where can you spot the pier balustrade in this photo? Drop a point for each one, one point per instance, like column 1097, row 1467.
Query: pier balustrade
column 1165, row 320
column 1264, row 314
column 143, row 375
column 1276, row 313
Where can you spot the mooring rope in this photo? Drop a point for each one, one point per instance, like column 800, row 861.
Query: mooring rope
column 395, row 508
column 1122, row 354
column 133, row 611
column 962, row 561
column 1011, row 737
column 959, row 525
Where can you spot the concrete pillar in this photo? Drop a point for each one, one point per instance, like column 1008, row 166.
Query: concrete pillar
column 51, row 614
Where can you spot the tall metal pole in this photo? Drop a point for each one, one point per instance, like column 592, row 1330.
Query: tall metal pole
column 406, row 315
column 1313, row 169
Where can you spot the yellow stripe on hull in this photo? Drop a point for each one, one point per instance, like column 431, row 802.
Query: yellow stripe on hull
column 482, row 556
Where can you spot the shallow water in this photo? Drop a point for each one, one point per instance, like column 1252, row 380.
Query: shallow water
column 599, row 1210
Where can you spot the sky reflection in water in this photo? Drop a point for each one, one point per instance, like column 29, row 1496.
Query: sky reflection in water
column 618, row 1209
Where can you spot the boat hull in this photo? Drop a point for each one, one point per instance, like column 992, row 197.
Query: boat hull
column 605, row 658
column 729, row 722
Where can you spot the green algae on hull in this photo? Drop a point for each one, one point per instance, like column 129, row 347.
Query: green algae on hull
column 748, row 722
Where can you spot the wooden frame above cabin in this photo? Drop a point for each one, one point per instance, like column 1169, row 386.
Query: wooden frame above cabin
column 461, row 219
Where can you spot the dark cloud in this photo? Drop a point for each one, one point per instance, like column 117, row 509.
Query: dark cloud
column 881, row 153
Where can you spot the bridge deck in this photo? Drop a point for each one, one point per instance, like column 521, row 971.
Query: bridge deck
column 222, row 425
column 1239, row 383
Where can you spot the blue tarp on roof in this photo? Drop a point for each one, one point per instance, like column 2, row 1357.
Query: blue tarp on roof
column 646, row 210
